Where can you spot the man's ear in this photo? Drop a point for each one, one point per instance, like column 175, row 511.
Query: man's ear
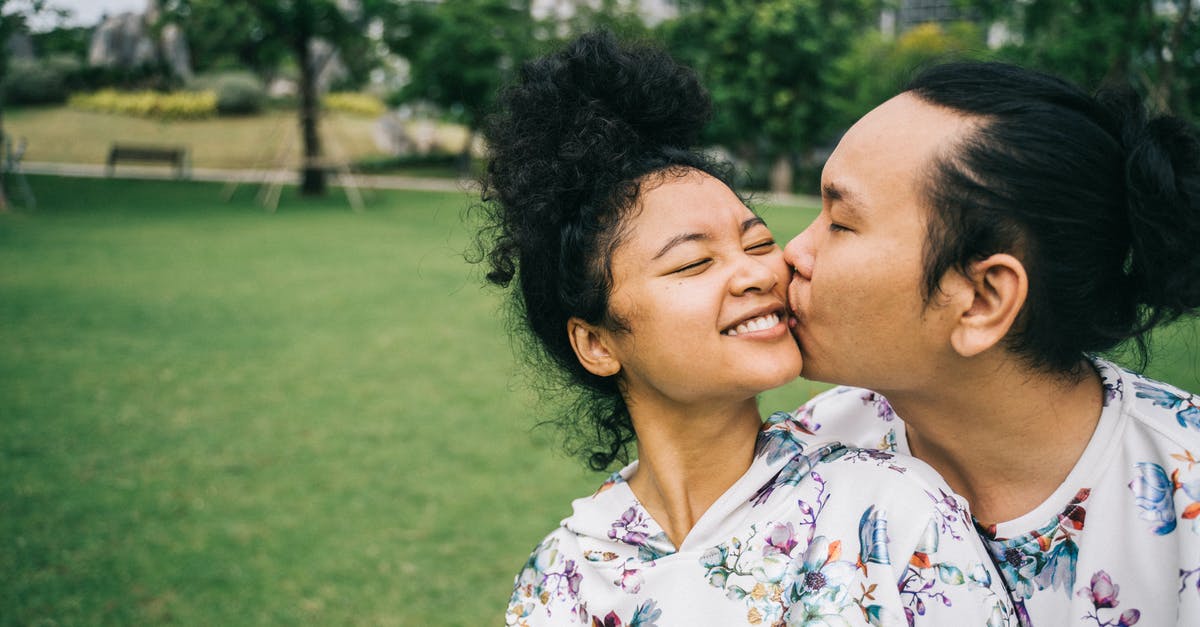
column 592, row 349
column 989, row 301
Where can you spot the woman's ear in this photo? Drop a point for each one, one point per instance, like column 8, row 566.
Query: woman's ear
column 592, row 349
column 992, row 298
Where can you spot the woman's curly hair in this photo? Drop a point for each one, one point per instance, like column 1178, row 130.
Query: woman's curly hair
column 570, row 146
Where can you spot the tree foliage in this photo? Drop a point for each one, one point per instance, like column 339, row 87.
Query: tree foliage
column 269, row 32
column 15, row 16
column 460, row 52
column 1151, row 45
column 877, row 67
column 768, row 66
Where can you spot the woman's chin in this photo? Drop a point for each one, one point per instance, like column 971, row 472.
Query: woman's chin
column 782, row 371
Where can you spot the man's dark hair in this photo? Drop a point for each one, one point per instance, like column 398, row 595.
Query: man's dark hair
column 1099, row 201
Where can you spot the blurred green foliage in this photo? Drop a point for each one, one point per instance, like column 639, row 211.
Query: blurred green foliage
column 461, row 51
column 877, row 67
column 787, row 76
column 1150, row 45
column 238, row 92
column 769, row 67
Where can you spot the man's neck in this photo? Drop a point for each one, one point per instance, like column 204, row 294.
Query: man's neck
column 1003, row 436
column 688, row 458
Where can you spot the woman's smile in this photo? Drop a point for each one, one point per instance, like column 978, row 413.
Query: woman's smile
column 756, row 325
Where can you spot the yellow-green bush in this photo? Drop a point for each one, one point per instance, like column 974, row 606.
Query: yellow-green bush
column 179, row 105
column 354, row 103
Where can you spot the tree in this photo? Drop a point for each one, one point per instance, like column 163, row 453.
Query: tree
column 461, row 52
column 288, row 29
column 768, row 66
column 14, row 18
column 877, row 67
column 1147, row 44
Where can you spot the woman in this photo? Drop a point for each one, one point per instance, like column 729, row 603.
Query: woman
column 659, row 297
column 995, row 228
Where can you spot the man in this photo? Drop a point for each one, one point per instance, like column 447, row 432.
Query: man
column 981, row 235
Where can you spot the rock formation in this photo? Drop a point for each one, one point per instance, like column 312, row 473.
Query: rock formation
column 127, row 41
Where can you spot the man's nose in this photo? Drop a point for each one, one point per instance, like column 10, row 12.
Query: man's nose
column 799, row 252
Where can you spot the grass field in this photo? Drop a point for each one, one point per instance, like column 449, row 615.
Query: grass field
column 62, row 135
column 210, row 415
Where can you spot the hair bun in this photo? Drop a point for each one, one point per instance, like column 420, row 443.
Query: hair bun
column 1162, row 184
column 628, row 86
column 576, row 119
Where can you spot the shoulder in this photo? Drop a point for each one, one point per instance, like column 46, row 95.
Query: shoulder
column 1169, row 410
column 554, row 552
column 854, row 416
column 548, row 583
column 904, row 527
column 887, row 478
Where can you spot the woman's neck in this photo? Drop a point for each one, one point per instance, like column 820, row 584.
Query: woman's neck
column 1004, row 438
column 688, row 457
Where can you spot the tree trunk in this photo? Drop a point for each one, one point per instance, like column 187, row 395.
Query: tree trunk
column 1165, row 92
column 464, row 157
column 312, row 173
column 3, row 160
column 781, row 174
column 1119, row 70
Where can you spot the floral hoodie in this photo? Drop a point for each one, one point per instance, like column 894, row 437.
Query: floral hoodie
column 810, row 535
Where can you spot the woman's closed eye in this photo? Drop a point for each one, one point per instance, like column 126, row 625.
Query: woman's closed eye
column 693, row 267
column 762, row 247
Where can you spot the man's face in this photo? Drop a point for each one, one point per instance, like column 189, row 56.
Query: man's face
column 857, row 287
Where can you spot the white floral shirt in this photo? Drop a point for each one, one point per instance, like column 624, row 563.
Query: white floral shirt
column 810, row 535
column 1118, row 543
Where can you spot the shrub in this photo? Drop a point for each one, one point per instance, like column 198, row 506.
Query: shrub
column 238, row 93
column 31, row 83
column 180, row 105
column 354, row 103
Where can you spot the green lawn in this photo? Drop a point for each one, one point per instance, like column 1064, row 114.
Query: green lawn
column 211, row 415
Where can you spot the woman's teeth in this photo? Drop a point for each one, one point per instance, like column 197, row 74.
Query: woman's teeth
column 754, row 324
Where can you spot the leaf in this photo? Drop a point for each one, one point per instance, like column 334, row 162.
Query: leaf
column 835, row 550
column 950, row 574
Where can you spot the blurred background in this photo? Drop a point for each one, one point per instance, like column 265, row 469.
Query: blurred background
column 247, row 375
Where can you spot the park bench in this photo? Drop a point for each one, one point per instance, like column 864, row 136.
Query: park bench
column 143, row 153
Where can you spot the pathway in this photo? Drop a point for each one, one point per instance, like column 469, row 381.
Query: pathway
column 292, row 177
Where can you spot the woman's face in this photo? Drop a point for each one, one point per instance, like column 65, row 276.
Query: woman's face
column 701, row 285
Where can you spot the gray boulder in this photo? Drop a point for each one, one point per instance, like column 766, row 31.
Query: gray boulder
column 126, row 41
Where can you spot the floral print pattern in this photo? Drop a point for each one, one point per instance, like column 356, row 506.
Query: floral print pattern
column 786, row 581
column 781, row 581
column 633, row 527
column 1122, row 547
column 822, row 535
column 1102, row 593
column 1043, row 559
column 548, row 581
column 1186, row 407
column 646, row 615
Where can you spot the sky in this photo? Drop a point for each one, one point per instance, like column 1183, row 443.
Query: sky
column 88, row 12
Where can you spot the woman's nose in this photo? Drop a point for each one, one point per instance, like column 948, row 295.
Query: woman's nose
column 755, row 274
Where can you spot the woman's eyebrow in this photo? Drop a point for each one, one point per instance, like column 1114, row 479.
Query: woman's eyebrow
column 752, row 222
column 679, row 239
column 696, row 237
